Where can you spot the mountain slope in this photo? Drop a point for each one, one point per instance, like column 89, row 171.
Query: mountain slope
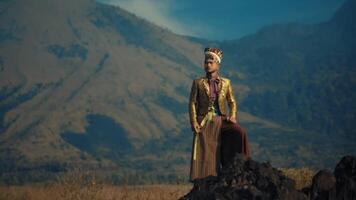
column 302, row 75
column 63, row 63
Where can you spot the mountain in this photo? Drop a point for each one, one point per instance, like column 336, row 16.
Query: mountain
column 92, row 85
column 86, row 83
column 302, row 77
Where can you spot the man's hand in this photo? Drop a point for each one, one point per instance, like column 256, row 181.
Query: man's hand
column 196, row 127
column 231, row 119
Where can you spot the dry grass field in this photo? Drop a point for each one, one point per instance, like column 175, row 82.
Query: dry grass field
column 302, row 176
column 77, row 185
column 95, row 192
column 85, row 185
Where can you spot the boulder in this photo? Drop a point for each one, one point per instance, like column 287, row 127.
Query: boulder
column 245, row 179
column 345, row 174
column 249, row 179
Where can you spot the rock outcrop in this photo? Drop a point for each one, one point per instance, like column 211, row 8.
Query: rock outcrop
column 338, row 185
column 249, row 179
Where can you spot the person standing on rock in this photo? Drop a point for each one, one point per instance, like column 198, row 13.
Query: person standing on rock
column 217, row 135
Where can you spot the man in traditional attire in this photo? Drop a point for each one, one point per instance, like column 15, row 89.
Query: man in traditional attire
column 217, row 135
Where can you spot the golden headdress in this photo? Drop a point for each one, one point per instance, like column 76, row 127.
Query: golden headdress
column 217, row 53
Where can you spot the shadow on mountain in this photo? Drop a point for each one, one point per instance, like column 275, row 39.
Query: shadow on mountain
column 13, row 98
column 103, row 138
column 74, row 50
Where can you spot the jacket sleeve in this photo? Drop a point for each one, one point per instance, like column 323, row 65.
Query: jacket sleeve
column 193, row 103
column 230, row 96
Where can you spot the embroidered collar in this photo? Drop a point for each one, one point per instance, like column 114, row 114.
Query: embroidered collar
column 217, row 77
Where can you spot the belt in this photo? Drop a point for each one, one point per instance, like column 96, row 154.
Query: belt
column 207, row 118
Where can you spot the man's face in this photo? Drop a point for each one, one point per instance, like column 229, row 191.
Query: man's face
column 210, row 65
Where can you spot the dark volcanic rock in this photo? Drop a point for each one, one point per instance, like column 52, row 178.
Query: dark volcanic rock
column 249, row 179
column 245, row 180
column 341, row 185
column 323, row 186
column 345, row 173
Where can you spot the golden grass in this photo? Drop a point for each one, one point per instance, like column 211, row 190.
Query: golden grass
column 80, row 184
column 76, row 185
column 107, row 192
column 302, row 176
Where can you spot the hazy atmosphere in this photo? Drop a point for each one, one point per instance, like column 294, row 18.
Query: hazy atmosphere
column 229, row 19
column 113, row 99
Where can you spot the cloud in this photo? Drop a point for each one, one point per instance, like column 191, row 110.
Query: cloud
column 158, row 12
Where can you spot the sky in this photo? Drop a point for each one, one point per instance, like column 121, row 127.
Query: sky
column 228, row 19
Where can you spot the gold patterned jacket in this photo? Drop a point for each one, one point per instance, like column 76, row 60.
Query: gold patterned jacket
column 199, row 98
